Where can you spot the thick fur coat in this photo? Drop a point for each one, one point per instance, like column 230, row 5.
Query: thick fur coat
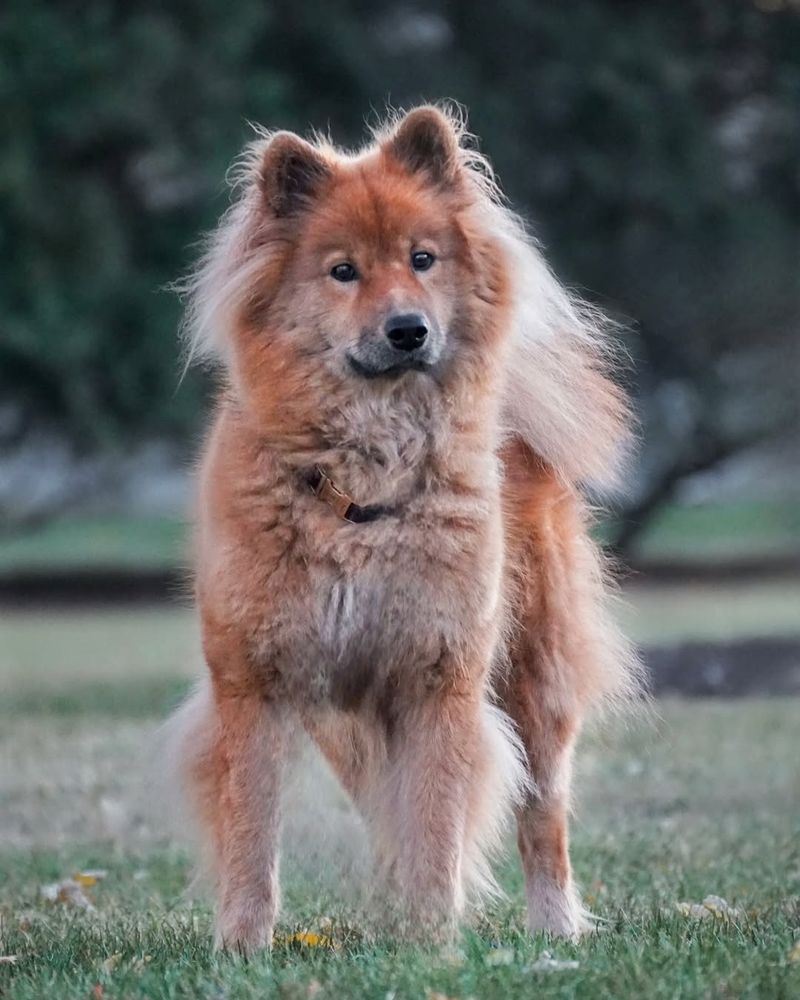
column 384, row 321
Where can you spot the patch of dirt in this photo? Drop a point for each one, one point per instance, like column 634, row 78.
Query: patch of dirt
column 726, row 669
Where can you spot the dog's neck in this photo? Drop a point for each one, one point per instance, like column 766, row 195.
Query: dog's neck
column 340, row 502
column 385, row 449
column 385, row 453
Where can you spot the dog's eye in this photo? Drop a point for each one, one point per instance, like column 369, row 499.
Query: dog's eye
column 344, row 272
column 421, row 260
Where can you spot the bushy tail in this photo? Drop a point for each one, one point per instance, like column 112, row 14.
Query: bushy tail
column 561, row 397
column 192, row 770
column 499, row 783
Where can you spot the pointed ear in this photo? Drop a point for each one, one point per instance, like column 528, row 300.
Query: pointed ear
column 425, row 141
column 292, row 173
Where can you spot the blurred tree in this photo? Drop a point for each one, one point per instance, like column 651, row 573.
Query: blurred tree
column 120, row 122
column 657, row 147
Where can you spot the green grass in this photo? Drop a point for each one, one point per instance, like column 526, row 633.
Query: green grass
column 674, row 613
column 97, row 542
column 715, row 531
column 667, row 814
column 39, row 650
column 705, row 800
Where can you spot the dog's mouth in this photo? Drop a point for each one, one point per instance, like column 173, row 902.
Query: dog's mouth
column 391, row 371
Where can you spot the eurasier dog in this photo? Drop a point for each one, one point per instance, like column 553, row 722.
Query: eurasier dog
column 392, row 550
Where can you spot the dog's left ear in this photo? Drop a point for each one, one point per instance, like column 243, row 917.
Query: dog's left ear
column 425, row 141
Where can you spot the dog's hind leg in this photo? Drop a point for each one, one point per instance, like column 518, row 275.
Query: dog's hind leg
column 547, row 719
column 420, row 810
column 432, row 815
column 434, row 788
column 548, row 736
column 566, row 657
column 353, row 749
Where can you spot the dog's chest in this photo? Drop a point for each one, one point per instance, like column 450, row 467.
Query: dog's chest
column 386, row 616
column 352, row 631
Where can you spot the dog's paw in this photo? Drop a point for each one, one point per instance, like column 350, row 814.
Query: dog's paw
column 556, row 909
column 243, row 931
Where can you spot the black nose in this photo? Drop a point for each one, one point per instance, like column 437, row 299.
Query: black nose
column 406, row 332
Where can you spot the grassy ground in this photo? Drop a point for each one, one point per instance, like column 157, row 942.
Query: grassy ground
column 671, row 613
column 706, row 800
column 717, row 531
column 97, row 542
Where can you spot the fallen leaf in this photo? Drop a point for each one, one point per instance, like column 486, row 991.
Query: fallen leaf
column 8, row 959
column 90, row 877
column 308, row 938
column 794, row 953
column 712, row 907
column 720, row 908
column 452, row 956
column 85, row 881
column 500, row 956
column 546, row 963
column 110, row 963
column 69, row 892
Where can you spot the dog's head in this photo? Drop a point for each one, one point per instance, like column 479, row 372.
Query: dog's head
column 358, row 273
column 379, row 264
column 351, row 289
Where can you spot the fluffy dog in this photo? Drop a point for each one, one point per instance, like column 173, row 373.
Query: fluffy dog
column 392, row 549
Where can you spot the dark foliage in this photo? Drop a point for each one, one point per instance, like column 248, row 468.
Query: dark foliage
column 656, row 146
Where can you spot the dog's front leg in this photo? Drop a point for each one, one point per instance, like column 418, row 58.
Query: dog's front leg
column 424, row 808
column 252, row 745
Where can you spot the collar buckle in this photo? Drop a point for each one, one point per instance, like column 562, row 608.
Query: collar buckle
column 327, row 491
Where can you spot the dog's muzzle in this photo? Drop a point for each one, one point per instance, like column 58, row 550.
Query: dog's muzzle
column 406, row 343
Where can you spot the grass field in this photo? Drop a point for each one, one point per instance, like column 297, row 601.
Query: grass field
column 97, row 542
column 705, row 800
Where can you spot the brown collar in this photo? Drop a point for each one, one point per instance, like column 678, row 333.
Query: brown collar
column 324, row 488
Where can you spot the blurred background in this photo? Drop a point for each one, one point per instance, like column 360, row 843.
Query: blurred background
column 655, row 147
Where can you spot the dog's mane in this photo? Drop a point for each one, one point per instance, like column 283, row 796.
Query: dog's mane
column 560, row 395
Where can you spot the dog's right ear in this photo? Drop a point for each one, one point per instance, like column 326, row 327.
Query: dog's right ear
column 291, row 174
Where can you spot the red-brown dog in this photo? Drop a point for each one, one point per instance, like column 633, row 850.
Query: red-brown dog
column 392, row 551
